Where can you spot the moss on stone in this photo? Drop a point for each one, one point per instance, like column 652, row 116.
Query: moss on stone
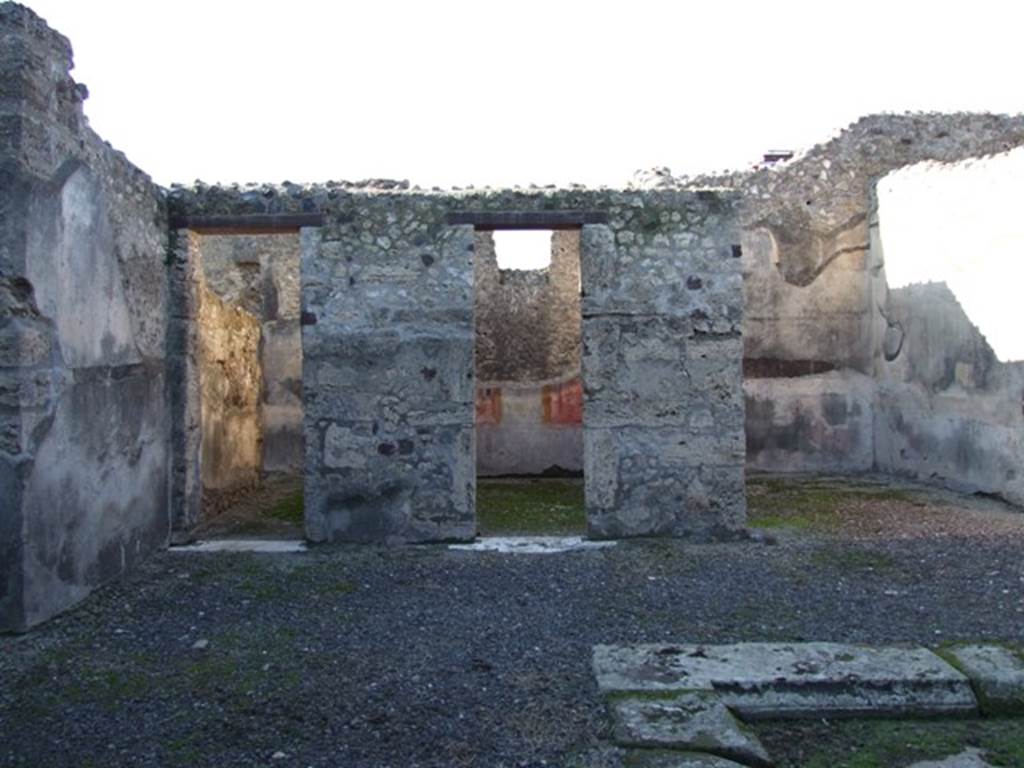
column 544, row 507
column 810, row 504
column 874, row 743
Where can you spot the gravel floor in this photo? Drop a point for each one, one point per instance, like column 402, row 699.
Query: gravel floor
column 422, row 656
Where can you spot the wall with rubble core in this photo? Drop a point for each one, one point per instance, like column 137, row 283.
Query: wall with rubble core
column 529, row 414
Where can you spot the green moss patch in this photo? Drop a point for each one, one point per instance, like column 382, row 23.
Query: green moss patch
column 542, row 507
column 882, row 743
column 809, row 504
column 288, row 509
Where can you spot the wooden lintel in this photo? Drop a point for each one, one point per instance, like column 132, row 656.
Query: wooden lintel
column 490, row 220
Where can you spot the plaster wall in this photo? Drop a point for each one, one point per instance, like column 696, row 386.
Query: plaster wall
column 83, row 301
column 517, row 432
column 947, row 410
column 817, row 301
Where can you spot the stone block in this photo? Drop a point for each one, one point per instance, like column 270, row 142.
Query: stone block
column 641, row 481
column 691, row 720
column 996, row 673
column 794, row 680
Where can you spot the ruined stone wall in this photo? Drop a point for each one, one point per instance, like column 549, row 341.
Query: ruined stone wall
column 229, row 385
column 260, row 274
column 814, row 287
column 387, row 286
column 83, row 306
column 528, row 353
column 662, row 368
column 528, row 321
column 387, row 293
column 946, row 409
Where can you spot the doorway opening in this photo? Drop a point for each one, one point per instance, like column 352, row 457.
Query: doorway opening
column 249, row 364
column 529, row 390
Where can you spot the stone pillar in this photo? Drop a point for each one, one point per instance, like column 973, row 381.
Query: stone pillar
column 183, row 386
column 387, row 343
column 662, row 369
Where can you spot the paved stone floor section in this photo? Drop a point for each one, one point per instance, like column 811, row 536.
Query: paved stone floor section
column 692, row 720
column 782, row 680
column 997, row 674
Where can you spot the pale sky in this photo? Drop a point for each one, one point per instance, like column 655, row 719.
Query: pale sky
column 458, row 93
column 962, row 225
column 461, row 92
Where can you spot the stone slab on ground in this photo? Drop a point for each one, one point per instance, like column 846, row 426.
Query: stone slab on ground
column 997, row 674
column 271, row 546
column 969, row 758
column 784, row 680
column 692, row 720
column 656, row 758
column 531, row 545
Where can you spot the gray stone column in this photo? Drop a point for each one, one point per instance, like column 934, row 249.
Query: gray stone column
column 388, row 385
column 662, row 370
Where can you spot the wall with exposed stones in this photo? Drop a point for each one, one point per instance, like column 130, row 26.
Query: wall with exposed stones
column 528, row 357
column 821, row 324
column 84, row 445
column 387, row 287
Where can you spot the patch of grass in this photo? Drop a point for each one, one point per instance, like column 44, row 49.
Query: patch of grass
column 882, row 743
column 845, row 559
column 546, row 507
column 109, row 688
column 288, row 509
column 807, row 504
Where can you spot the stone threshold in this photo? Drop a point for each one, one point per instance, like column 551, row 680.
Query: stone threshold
column 531, row 545
column 269, row 546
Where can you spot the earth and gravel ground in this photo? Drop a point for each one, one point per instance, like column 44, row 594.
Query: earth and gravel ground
column 422, row 656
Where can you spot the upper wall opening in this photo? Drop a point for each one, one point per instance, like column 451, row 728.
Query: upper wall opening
column 960, row 224
column 522, row 249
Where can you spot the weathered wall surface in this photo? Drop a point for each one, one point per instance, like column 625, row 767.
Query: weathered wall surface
column 83, row 300
column 528, row 347
column 528, row 321
column 260, row 274
column 946, row 409
column 815, row 288
column 387, row 285
column 388, row 374
column 530, row 429
column 662, row 368
column 813, row 423
column 230, row 383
